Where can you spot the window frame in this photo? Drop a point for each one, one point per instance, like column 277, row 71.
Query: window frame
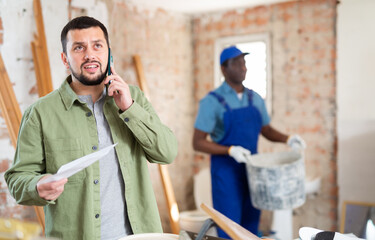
column 223, row 42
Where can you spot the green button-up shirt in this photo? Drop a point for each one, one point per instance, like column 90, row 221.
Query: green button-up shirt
column 59, row 128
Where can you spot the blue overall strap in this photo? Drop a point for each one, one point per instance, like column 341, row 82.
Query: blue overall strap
column 249, row 96
column 221, row 100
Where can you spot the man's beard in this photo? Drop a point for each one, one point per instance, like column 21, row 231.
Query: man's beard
column 87, row 81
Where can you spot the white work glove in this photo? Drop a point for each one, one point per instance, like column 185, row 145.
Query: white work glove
column 296, row 142
column 240, row 154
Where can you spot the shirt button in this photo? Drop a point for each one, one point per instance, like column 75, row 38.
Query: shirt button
column 126, row 119
column 88, row 114
column 94, row 147
column 97, row 216
column 96, row 181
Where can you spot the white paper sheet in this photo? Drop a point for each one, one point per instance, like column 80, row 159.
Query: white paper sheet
column 77, row 165
column 308, row 233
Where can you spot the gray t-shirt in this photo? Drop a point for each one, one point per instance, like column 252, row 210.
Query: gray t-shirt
column 114, row 219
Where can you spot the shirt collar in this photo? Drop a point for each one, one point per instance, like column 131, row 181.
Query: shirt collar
column 226, row 88
column 68, row 96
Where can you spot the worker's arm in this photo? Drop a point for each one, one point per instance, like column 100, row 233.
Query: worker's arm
column 200, row 143
column 273, row 135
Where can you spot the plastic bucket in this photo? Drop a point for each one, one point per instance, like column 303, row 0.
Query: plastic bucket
column 277, row 180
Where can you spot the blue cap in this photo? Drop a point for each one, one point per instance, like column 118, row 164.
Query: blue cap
column 230, row 52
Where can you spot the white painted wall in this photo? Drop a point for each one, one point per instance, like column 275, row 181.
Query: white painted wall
column 355, row 100
column 18, row 26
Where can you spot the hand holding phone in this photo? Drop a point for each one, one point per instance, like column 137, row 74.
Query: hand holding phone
column 117, row 87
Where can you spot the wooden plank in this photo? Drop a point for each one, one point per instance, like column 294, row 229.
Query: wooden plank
column 40, row 53
column 37, row 68
column 12, row 115
column 173, row 211
column 41, row 218
column 9, row 105
column 234, row 230
column 174, row 214
column 140, row 74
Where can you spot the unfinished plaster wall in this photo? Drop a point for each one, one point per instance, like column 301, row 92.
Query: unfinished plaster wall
column 18, row 26
column 303, row 63
column 163, row 41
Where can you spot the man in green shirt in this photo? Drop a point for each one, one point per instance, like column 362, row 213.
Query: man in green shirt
column 113, row 197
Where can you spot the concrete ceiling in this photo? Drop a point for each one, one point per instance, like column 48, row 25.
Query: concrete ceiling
column 201, row 6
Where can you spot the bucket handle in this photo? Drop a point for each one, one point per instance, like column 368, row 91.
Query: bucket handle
column 209, row 223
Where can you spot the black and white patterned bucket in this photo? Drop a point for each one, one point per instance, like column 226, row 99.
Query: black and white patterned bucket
column 277, row 180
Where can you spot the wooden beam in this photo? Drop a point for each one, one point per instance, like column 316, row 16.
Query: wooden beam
column 9, row 105
column 173, row 211
column 38, row 73
column 234, row 230
column 12, row 115
column 40, row 53
column 140, row 74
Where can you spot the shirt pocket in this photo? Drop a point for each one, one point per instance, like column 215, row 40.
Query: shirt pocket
column 62, row 151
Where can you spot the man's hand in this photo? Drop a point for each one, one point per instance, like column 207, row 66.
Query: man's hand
column 51, row 190
column 296, row 142
column 119, row 89
column 240, row 154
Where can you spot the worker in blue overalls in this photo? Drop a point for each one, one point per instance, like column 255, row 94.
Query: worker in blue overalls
column 234, row 116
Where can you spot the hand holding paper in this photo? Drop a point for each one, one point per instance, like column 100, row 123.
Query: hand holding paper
column 52, row 190
column 77, row 165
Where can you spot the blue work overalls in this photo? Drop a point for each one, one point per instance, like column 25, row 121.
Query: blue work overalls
column 230, row 188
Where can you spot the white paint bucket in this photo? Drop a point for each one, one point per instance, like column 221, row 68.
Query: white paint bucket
column 193, row 221
column 277, row 180
column 151, row 236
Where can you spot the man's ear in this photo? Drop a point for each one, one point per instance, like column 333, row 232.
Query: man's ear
column 223, row 70
column 64, row 59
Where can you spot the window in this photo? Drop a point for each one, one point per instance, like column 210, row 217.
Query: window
column 258, row 63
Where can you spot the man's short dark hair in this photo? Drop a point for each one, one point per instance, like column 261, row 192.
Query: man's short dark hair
column 82, row 22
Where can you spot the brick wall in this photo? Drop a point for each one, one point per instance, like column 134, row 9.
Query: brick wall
column 303, row 68
column 303, row 48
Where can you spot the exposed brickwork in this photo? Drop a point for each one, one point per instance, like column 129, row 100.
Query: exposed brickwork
column 303, row 63
column 4, row 165
column 304, row 85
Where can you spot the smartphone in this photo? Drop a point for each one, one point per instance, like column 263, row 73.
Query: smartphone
column 110, row 62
